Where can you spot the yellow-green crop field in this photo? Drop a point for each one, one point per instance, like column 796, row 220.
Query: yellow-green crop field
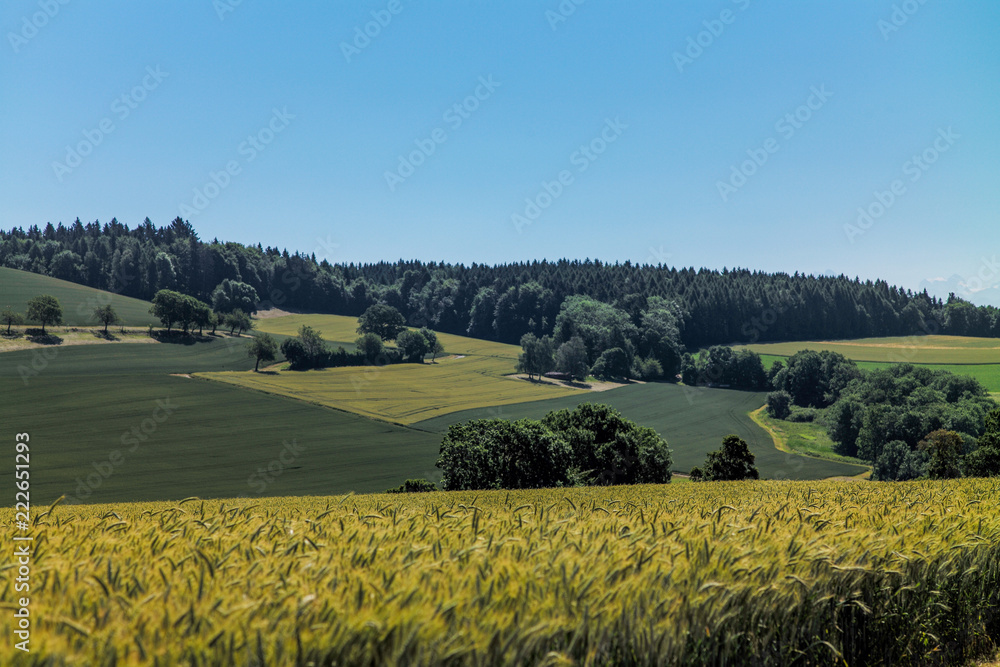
column 712, row 573
column 401, row 393
column 899, row 349
column 343, row 329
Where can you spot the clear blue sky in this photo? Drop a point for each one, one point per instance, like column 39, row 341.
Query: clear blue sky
column 676, row 118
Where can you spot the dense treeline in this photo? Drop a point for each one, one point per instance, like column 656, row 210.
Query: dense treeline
column 496, row 302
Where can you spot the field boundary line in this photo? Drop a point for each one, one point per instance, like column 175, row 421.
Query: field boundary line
column 780, row 441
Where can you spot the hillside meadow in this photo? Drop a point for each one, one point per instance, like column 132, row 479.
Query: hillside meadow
column 78, row 301
column 402, row 393
column 899, row 349
column 765, row 573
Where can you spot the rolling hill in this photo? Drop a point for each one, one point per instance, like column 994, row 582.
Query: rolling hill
column 78, row 301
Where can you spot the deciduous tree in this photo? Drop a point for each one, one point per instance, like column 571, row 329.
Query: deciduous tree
column 412, row 345
column 107, row 315
column 733, row 461
column 384, row 321
column 45, row 309
column 945, row 450
column 10, row 317
column 571, row 358
column 262, row 348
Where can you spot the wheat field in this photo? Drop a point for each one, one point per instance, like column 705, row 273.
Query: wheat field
column 713, row 573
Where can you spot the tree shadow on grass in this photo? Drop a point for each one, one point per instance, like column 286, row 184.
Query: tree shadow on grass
column 105, row 336
column 576, row 384
column 13, row 335
column 180, row 337
column 36, row 336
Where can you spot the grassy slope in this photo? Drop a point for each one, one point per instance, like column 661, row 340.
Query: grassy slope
column 693, row 421
column 78, row 302
column 78, row 407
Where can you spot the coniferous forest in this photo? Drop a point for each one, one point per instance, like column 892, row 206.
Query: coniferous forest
column 695, row 307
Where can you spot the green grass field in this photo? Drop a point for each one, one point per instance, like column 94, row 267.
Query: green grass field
column 908, row 349
column 211, row 445
column 694, row 422
column 78, row 301
column 808, row 438
column 191, row 356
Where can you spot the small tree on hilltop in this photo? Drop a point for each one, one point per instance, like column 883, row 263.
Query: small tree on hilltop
column 202, row 316
column 167, row 307
column 107, row 315
column 384, row 321
column 9, row 317
column 45, row 309
column 731, row 462
column 308, row 350
column 263, row 347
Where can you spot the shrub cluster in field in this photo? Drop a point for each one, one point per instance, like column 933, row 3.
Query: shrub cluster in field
column 733, row 462
column 771, row 573
column 378, row 324
column 591, row 444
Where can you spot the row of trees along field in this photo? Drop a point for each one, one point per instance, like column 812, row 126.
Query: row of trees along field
column 501, row 302
column 172, row 308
